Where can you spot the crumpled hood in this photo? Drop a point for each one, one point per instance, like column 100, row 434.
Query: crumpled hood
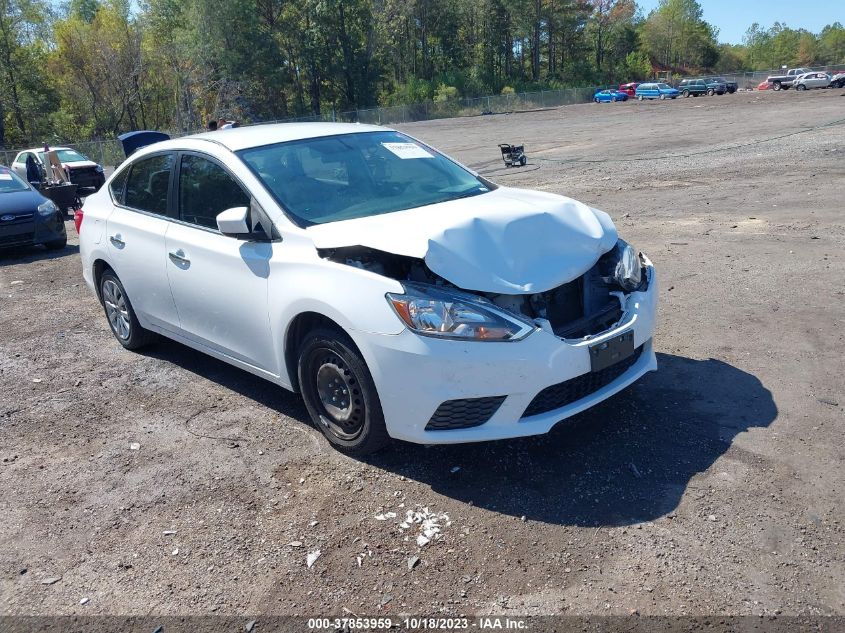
column 507, row 241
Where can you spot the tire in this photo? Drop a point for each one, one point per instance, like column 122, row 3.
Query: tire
column 522, row 161
column 330, row 366
column 776, row 85
column 120, row 314
column 597, row 100
column 613, row 99
column 801, row 87
column 639, row 97
column 686, row 94
column 663, row 97
column 56, row 245
column 710, row 92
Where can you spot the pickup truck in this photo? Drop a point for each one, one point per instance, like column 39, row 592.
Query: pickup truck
column 785, row 81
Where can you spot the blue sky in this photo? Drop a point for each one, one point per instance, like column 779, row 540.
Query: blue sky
column 733, row 17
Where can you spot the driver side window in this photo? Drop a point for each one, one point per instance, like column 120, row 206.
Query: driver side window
column 206, row 190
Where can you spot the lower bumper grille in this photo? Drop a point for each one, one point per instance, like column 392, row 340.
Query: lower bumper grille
column 574, row 389
column 465, row 413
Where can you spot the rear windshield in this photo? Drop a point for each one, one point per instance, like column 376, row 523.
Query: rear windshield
column 333, row 178
column 664, row 86
column 10, row 182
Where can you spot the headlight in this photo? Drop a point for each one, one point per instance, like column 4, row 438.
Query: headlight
column 436, row 312
column 628, row 271
column 46, row 209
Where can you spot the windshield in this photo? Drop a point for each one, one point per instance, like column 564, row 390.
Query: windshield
column 664, row 86
column 65, row 156
column 333, row 178
column 10, row 182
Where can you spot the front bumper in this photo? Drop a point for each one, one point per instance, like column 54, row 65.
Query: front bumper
column 414, row 375
column 30, row 230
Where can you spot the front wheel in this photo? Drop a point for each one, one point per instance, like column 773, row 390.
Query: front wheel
column 663, row 97
column 597, row 100
column 686, row 94
column 639, row 97
column 613, row 99
column 776, row 86
column 711, row 92
column 801, row 87
column 339, row 393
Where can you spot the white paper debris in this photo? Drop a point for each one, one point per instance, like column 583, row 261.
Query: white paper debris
column 385, row 516
column 407, row 150
column 312, row 558
column 134, row 446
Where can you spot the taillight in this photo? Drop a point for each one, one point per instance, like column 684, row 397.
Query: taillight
column 77, row 219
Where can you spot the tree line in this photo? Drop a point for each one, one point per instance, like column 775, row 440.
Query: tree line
column 95, row 68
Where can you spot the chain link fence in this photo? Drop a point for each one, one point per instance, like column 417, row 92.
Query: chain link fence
column 109, row 153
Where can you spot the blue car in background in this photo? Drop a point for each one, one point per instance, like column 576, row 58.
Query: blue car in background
column 611, row 94
column 656, row 90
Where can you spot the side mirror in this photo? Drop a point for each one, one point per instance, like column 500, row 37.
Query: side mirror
column 234, row 222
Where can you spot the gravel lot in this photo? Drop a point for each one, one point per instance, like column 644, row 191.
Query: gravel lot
column 714, row 486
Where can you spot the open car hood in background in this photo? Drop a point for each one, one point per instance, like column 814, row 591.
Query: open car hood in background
column 507, row 241
column 133, row 141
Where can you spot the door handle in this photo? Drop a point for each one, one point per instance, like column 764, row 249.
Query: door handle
column 115, row 239
column 179, row 257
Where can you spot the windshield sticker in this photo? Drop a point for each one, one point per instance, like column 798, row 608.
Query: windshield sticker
column 5, row 176
column 407, row 150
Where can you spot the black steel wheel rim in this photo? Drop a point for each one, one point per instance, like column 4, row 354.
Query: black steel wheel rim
column 337, row 394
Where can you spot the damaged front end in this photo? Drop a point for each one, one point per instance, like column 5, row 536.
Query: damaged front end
column 590, row 304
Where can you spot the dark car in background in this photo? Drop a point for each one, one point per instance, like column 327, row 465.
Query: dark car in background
column 693, row 87
column 27, row 217
column 730, row 86
column 87, row 175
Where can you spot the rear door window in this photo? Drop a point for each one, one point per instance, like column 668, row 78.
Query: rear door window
column 206, row 190
column 117, row 187
column 148, row 184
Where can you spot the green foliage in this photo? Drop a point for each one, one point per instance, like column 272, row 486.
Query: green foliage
column 637, row 66
column 445, row 93
column 96, row 68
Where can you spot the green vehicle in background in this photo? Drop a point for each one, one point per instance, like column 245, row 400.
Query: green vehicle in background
column 697, row 87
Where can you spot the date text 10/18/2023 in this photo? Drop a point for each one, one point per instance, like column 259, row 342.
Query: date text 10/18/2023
column 417, row 623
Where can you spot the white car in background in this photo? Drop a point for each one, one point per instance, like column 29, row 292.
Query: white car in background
column 400, row 293
column 808, row 81
column 83, row 172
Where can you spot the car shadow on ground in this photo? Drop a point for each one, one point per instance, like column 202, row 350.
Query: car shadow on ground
column 625, row 461
column 29, row 254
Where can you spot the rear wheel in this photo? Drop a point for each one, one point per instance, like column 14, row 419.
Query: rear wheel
column 120, row 314
column 339, row 393
column 800, row 87
column 776, row 85
column 686, row 93
column 613, row 99
column 597, row 100
column 711, row 92
column 639, row 97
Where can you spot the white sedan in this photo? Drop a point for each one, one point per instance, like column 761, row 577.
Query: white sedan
column 811, row 80
column 399, row 292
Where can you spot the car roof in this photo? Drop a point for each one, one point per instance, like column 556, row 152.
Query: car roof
column 239, row 138
column 40, row 150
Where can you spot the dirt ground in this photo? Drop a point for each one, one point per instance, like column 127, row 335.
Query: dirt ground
column 713, row 486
